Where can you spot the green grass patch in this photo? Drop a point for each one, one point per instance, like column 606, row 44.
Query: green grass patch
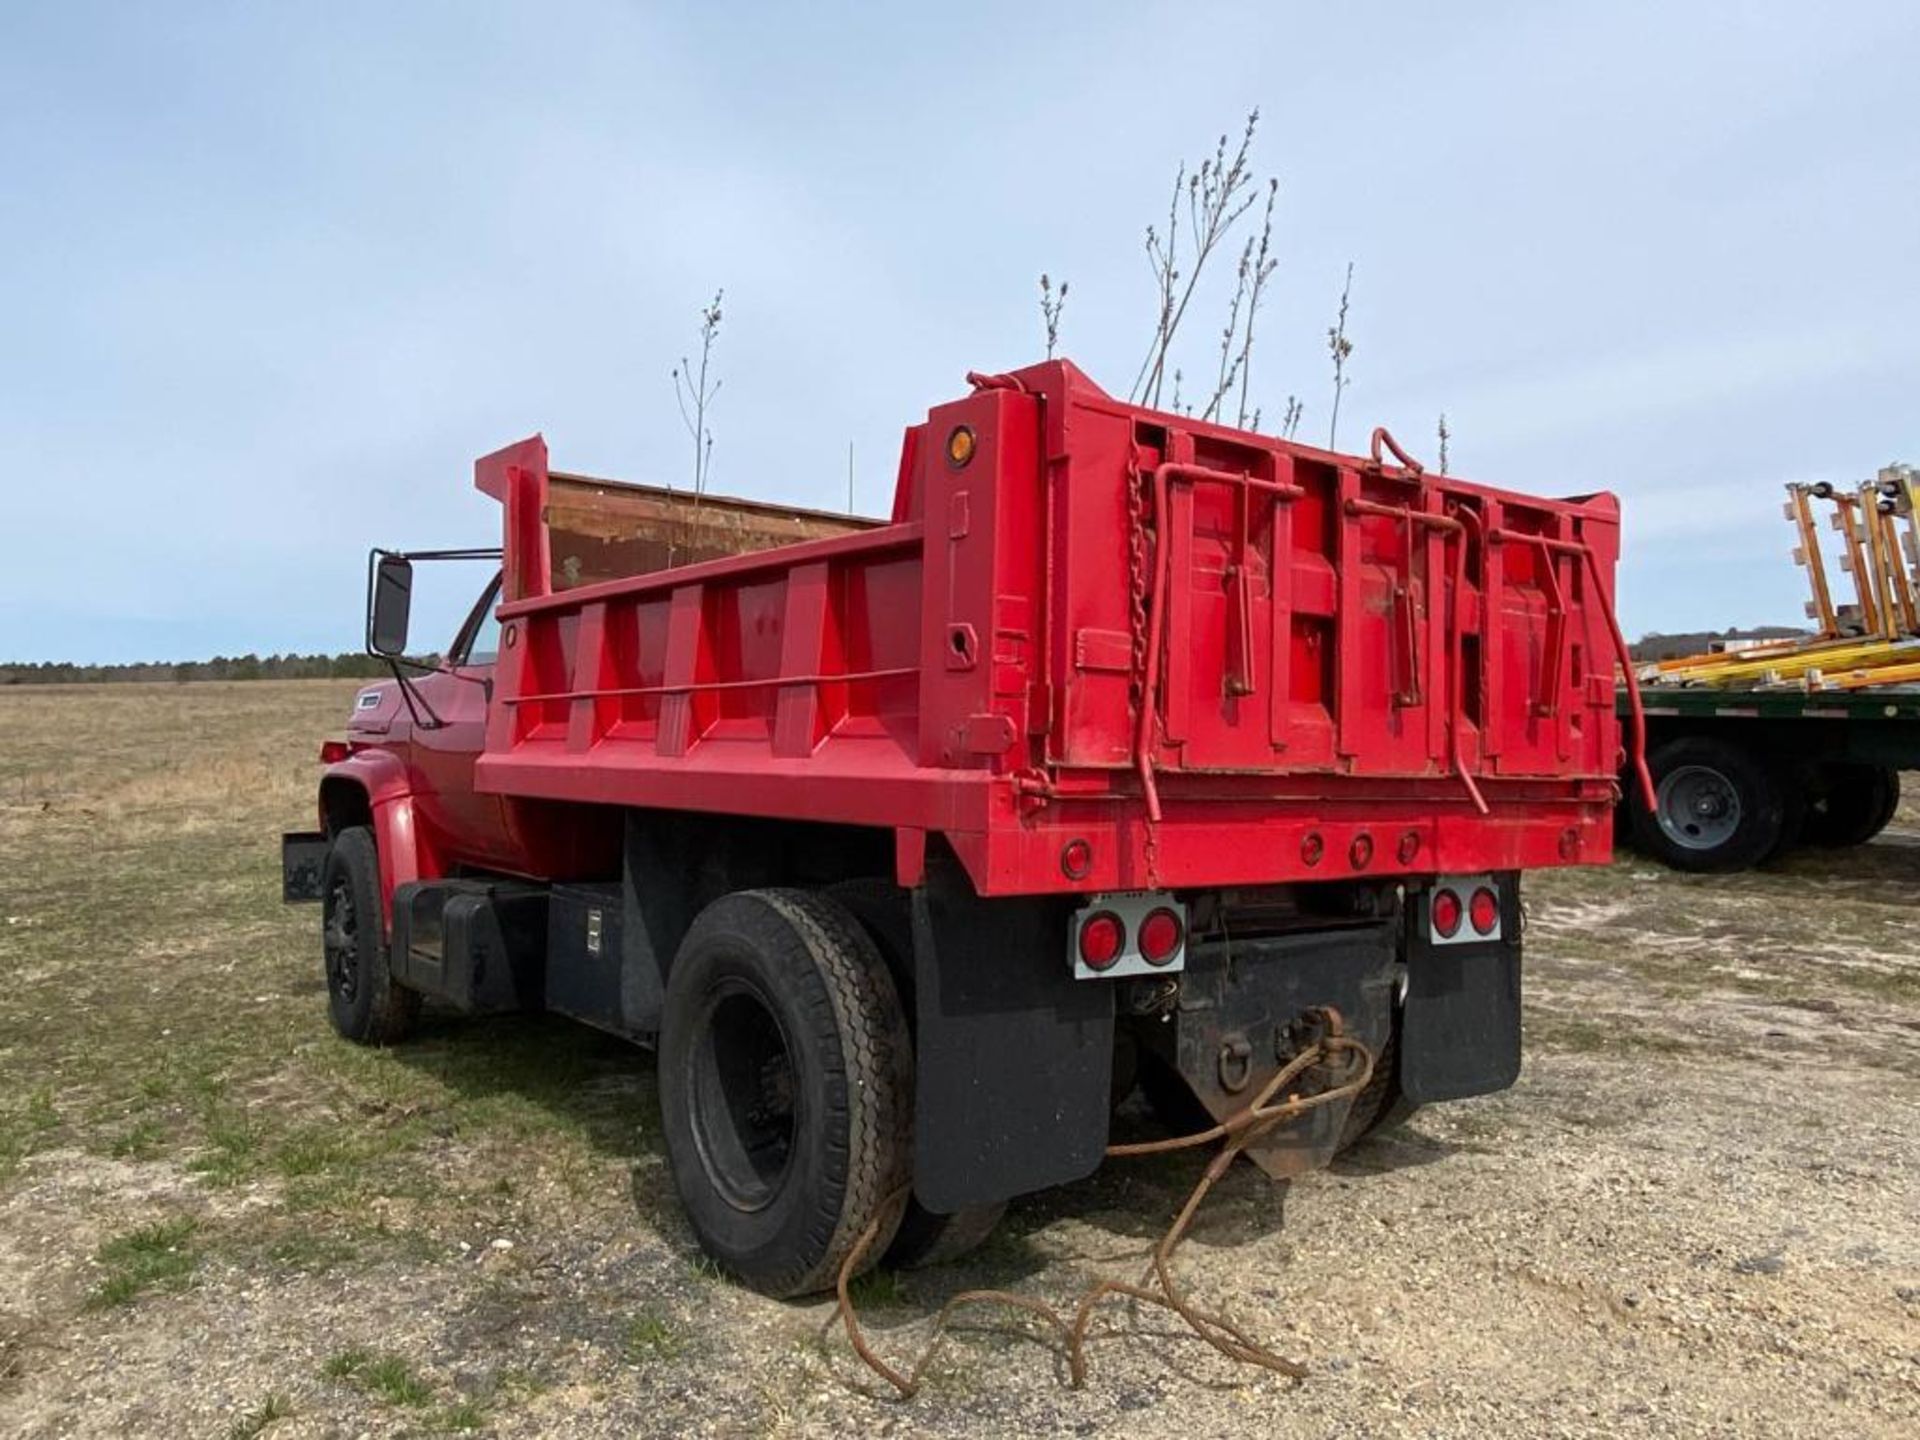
column 392, row 1379
column 312, row 1151
column 878, row 1287
column 462, row 1416
column 312, row 1250
column 345, row 1364
column 153, row 1257
column 385, row 1376
column 233, row 1148
column 271, row 1408
column 41, row 1116
column 651, row 1337
column 140, row 1141
column 1589, row 1037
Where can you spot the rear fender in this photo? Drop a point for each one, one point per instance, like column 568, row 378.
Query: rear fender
column 374, row 787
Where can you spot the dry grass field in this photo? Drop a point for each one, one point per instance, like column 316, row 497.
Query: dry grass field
column 1698, row 1213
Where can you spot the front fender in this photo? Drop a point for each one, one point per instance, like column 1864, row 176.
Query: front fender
column 375, row 787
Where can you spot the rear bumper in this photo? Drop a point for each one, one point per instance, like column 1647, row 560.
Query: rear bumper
column 303, row 863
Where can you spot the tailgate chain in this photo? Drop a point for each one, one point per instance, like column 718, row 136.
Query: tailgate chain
column 1246, row 1127
column 1137, row 696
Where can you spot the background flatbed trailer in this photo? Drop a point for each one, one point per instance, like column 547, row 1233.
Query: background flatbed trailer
column 1741, row 775
column 1797, row 740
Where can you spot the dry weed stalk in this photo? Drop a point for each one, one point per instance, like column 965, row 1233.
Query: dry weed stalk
column 1216, row 197
column 1341, row 349
column 1052, row 302
column 695, row 393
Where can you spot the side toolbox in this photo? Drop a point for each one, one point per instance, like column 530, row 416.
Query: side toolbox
column 586, row 961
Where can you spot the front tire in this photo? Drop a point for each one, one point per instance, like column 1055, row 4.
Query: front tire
column 1718, row 807
column 363, row 1001
column 786, row 1088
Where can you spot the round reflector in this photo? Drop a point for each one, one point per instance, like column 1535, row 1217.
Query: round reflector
column 1446, row 911
column 1076, row 859
column 1102, row 938
column 960, row 446
column 1160, row 936
column 1484, row 911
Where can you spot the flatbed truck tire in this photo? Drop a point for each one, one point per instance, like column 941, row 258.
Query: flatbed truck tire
column 1718, row 807
column 364, row 1002
column 786, row 1088
column 925, row 1237
column 1851, row 803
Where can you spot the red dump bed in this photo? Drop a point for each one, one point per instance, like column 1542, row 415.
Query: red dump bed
column 1098, row 648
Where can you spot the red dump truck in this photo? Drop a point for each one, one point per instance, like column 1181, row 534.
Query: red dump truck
column 1130, row 744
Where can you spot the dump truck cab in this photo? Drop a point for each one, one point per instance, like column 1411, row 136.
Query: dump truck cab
column 1130, row 746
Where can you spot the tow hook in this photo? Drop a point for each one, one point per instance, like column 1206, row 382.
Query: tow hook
column 1309, row 1030
column 1236, row 1064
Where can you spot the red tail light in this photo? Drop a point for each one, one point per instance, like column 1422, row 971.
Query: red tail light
column 1446, row 914
column 1160, row 937
column 332, row 752
column 1484, row 911
column 1102, row 938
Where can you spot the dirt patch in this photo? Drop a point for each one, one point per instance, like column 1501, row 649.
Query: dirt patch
column 1693, row 1215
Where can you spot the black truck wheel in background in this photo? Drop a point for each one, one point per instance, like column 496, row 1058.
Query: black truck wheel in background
column 363, row 1001
column 1848, row 803
column 925, row 1237
column 786, row 1088
column 1718, row 806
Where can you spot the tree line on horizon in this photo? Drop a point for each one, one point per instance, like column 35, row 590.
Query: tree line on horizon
column 352, row 665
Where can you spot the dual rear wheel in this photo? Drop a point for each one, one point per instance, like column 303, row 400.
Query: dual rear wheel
column 786, row 1089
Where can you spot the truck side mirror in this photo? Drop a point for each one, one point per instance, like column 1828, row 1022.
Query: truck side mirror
column 388, row 605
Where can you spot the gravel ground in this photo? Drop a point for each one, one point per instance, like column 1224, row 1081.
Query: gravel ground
column 1695, row 1214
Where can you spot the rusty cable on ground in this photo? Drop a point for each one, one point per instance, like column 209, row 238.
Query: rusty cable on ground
column 1245, row 1127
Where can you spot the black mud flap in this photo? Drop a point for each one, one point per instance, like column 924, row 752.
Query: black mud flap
column 303, row 865
column 1014, row 1057
column 1460, row 1034
column 1242, row 1014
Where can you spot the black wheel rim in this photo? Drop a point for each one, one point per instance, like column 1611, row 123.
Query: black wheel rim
column 744, row 1107
column 341, row 932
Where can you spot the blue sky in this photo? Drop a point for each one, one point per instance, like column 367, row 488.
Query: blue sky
column 272, row 275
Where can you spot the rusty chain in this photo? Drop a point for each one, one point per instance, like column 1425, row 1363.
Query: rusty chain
column 1137, row 697
column 1262, row 1115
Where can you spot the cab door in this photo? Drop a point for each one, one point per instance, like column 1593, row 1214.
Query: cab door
column 471, row 828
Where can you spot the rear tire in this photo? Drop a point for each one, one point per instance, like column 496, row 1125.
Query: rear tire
column 925, row 1237
column 1170, row 1098
column 363, row 1001
column 1850, row 803
column 786, row 1088
column 1718, row 807
column 1380, row 1105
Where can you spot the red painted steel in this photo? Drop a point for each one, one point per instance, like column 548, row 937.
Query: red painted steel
column 1117, row 649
